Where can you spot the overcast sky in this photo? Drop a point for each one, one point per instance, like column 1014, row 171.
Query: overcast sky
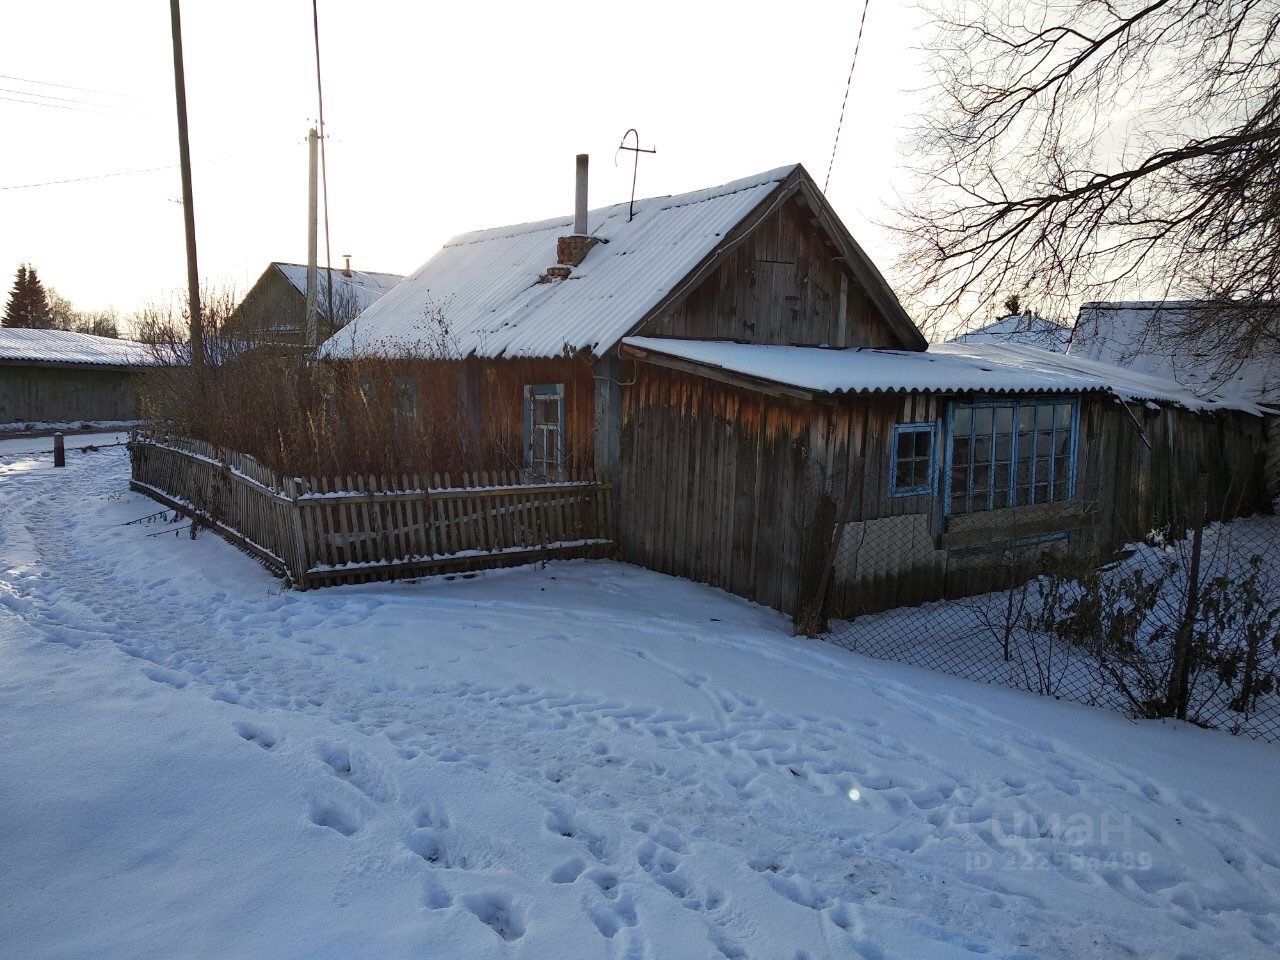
column 441, row 118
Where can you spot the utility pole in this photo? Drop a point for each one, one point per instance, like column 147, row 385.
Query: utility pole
column 188, row 209
column 312, row 325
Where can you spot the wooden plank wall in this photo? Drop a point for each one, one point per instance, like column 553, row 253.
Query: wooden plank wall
column 740, row 490
column 472, row 412
column 65, row 395
column 780, row 286
column 716, row 484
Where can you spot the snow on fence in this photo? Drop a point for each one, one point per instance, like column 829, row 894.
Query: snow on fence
column 326, row 530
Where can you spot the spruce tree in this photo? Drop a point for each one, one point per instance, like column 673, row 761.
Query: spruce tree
column 15, row 313
column 38, row 301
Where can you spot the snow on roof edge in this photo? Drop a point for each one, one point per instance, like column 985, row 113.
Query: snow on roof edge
column 976, row 368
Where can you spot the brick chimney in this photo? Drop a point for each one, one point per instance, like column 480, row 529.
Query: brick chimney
column 571, row 250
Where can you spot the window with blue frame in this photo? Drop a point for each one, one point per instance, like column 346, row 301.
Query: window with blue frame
column 1011, row 453
column 912, row 471
column 544, row 428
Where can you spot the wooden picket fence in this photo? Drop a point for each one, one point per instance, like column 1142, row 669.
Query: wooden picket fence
column 325, row 530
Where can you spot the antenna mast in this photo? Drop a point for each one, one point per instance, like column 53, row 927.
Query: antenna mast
column 635, row 168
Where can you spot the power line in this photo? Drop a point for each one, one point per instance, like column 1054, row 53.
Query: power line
column 109, row 112
column 100, row 176
column 324, row 164
column 124, row 111
column 256, row 153
column 65, row 86
column 843, row 103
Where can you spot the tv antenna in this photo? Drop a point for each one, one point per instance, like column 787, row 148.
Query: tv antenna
column 635, row 166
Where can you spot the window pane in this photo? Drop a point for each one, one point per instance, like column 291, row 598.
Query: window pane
column 1064, row 414
column 1062, row 441
column 981, row 480
column 1062, row 488
column 962, row 421
column 982, row 450
column 924, row 443
column 1004, row 446
column 1044, row 444
column 902, row 475
column 1002, row 485
column 961, row 451
column 905, row 444
column 1004, row 419
column 982, row 421
column 1044, row 416
column 1026, row 417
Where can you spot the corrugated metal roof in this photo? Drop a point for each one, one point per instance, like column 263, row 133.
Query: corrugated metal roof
column 1136, row 333
column 482, row 288
column 353, row 293
column 63, row 346
column 949, row 367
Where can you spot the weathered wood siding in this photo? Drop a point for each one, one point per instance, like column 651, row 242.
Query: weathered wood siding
column 273, row 311
column 783, row 285
column 740, row 489
column 474, row 409
column 715, row 484
column 66, row 394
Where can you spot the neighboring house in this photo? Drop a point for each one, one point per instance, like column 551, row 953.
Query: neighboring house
column 59, row 377
column 734, row 363
column 274, row 309
column 1024, row 329
column 1140, row 335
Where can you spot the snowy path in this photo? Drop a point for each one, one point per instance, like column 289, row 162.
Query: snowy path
column 584, row 761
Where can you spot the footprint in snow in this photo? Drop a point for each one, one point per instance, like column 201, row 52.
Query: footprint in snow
column 336, row 814
column 263, row 735
column 498, row 912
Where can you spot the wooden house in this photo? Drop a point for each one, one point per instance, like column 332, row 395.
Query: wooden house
column 58, row 377
column 274, row 309
column 1150, row 336
column 734, row 363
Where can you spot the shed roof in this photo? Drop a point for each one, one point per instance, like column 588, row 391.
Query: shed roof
column 484, row 286
column 22, row 345
column 946, row 367
column 1136, row 333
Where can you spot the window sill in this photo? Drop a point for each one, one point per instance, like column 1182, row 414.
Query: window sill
column 1012, row 523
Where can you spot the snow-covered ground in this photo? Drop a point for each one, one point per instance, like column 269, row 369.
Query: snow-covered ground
column 582, row 761
column 14, row 447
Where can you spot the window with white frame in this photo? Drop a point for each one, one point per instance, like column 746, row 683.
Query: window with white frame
column 912, row 471
column 404, row 397
column 544, row 428
column 1011, row 453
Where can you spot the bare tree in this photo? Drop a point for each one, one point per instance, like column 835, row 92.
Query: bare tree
column 1084, row 149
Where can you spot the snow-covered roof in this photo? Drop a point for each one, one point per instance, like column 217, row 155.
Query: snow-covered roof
column 18, row 344
column 485, row 288
column 1028, row 329
column 352, row 292
column 1136, row 333
column 946, row 367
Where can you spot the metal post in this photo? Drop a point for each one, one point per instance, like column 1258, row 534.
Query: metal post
column 59, row 451
column 188, row 210
column 312, row 325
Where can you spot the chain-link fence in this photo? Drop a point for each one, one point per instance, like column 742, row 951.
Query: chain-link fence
column 1179, row 623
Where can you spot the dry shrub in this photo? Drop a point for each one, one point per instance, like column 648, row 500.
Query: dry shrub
column 384, row 416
